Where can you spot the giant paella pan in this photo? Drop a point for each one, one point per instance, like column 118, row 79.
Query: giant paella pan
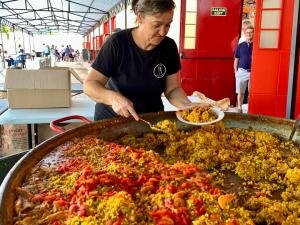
column 242, row 170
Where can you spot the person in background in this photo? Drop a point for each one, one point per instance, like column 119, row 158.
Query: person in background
column 242, row 66
column 46, row 50
column 21, row 58
column 19, row 49
column 66, row 53
column 245, row 24
column 135, row 66
column 62, row 53
column 32, row 55
column 10, row 61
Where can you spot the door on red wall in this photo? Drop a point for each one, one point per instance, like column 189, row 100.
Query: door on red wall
column 209, row 36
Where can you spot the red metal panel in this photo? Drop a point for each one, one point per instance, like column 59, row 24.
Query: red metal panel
column 262, row 103
column 283, row 72
column 87, row 45
column 106, row 28
column 209, row 67
column 280, row 109
column 270, row 68
column 218, row 35
column 113, row 23
column 204, row 76
column 266, row 82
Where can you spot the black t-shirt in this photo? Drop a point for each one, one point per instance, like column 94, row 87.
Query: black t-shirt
column 137, row 74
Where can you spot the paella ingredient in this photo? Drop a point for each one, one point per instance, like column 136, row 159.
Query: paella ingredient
column 262, row 165
column 98, row 182
column 198, row 114
column 118, row 184
column 166, row 125
column 225, row 201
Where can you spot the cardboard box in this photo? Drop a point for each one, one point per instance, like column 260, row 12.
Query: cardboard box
column 72, row 71
column 46, row 88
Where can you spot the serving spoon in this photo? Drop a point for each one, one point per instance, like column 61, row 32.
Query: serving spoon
column 153, row 127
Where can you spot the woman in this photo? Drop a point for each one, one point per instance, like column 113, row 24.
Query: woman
column 135, row 66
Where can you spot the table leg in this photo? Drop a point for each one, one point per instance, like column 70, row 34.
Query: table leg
column 29, row 136
column 36, row 136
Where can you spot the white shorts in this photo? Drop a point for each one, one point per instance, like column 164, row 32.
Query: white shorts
column 241, row 81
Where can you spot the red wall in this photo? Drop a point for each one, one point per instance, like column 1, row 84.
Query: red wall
column 209, row 67
column 270, row 68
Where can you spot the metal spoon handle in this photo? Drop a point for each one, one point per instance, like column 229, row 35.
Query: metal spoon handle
column 296, row 125
column 153, row 127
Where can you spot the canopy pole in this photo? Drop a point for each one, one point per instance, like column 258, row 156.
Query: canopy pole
column 33, row 42
column 23, row 40
column 15, row 39
column 29, row 44
column 2, row 44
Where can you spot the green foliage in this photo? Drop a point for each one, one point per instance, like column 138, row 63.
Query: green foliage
column 6, row 30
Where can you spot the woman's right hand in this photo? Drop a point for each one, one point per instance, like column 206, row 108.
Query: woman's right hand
column 123, row 106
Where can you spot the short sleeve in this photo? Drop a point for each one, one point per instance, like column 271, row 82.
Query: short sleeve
column 173, row 58
column 237, row 52
column 106, row 60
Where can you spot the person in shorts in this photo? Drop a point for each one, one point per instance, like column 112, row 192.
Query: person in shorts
column 242, row 66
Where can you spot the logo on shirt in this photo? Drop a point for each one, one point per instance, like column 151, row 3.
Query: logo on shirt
column 159, row 70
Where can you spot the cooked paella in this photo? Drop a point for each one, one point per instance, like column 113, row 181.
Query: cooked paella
column 198, row 114
column 208, row 175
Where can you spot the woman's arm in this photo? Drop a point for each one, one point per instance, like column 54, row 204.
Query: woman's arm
column 174, row 92
column 235, row 64
column 94, row 87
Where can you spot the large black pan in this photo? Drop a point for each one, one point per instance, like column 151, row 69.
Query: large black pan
column 111, row 129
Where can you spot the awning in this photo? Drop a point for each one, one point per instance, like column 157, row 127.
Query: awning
column 52, row 16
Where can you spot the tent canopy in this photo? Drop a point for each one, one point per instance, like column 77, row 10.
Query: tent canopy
column 51, row 16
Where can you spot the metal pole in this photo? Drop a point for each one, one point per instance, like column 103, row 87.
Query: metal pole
column 33, row 43
column 23, row 40
column 15, row 40
column 2, row 44
column 29, row 43
column 294, row 64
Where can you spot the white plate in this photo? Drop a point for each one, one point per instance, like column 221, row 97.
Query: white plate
column 217, row 111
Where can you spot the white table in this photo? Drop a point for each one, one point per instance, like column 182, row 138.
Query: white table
column 81, row 105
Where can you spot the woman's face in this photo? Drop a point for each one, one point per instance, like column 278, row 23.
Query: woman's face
column 155, row 27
